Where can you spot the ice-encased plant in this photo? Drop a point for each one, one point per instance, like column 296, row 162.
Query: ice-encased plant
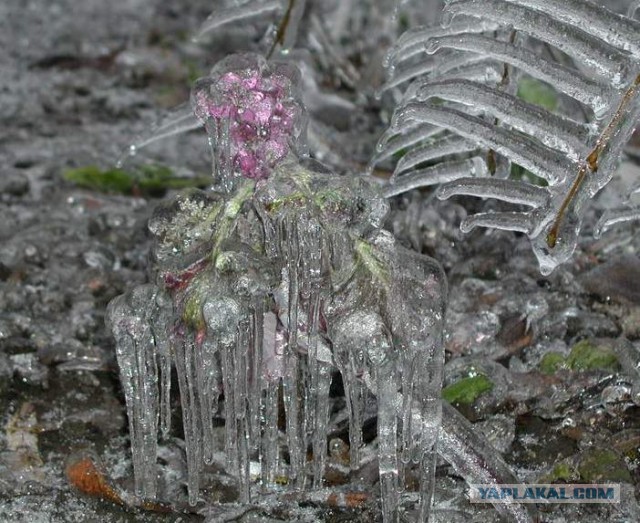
column 263, row 287
column 464, row 125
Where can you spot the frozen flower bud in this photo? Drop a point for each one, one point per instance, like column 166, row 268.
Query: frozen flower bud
column 253, row 113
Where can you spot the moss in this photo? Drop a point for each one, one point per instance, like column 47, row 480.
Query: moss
column 467, row 390
column 551, row 362
column 603, row 465
column 537, row 93
column 587, row 356
column 153, row 180
column 560, row 472
column 584, row 355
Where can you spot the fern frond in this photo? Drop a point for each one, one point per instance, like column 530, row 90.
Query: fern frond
column 486, row 120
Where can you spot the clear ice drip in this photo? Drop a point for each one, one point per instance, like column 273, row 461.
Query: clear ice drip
column 130, row 320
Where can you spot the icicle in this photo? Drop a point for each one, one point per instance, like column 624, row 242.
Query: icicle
column 437, row 149
column 248, row 10
column 256, row 375
column 273, row 350
column 270, row 443
column 554, row 131
column 208, row 376
column 321, row 386
column 136, row 354
column 222, row 316
column 191, row 415
column 386, row 394
column 230, row 419
column 531, row 154
column 506, row 221
column 441, row 173
column 613, row 28
column 161, row 333
column 418, row 330
column 513, row 191
column 610, row 63
column 566, row 80
column 241, row 398
column 181, row 120
column 350, row 338
column 293, row 381
column 356, row 396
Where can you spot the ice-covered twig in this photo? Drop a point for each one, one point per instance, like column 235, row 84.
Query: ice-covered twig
column 248, row 10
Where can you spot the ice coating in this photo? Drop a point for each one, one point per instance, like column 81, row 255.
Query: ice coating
column 606, row 60
column 553, row 130
column 573, row 83
column 247, row 10
column 264, row 293
column 253, row 114
column 531, row 154
column 464, row 108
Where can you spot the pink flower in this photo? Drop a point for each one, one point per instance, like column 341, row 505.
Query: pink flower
column 256, row 106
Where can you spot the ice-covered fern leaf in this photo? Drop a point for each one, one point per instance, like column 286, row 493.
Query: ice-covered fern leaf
column 465, row 124
column 236, row 11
